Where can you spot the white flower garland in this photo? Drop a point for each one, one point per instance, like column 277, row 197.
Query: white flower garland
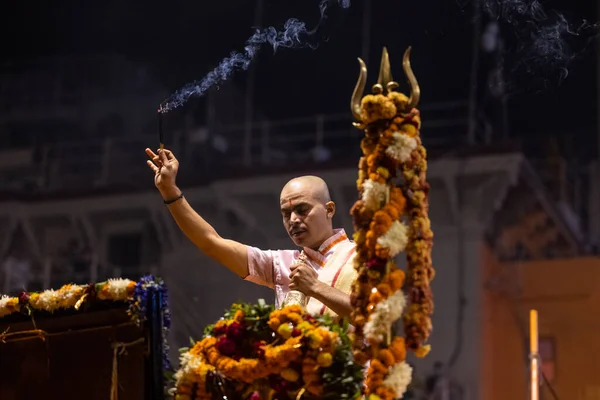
column 399, row 378
column 6, row 306
column 402, row 147
column 384, row 315
column 117, row 288
column 374, row 194
column 395, row 239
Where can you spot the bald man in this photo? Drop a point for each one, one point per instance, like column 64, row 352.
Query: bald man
column 324, row 274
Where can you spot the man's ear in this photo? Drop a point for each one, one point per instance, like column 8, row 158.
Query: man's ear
column 330, row 207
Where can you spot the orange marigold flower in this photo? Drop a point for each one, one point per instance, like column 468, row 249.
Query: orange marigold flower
column 376, row 178
column 398, row 349
column 377, row 366
column 375, row 297
column 385, row 393
column 290, row 374
column 400, row 101
column 360, row 357
column 385, row 289
column 386, row 357
column 422, row 351
column 374, row 380
column 396, row 279
column 376, row 107
column 274, row 323
column 239, row 316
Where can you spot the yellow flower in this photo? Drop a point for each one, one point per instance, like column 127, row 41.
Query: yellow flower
column 285, row 330
column 290, row 374
column 374, row 397
column 325, row 359
column 422, row 351
column 315, row 340
column 304, row 326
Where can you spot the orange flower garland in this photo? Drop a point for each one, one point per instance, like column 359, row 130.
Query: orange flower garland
column 297, row 360
column 391, row 143
column 417, row 319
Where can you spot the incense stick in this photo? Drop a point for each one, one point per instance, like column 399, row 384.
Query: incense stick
column 160, row 129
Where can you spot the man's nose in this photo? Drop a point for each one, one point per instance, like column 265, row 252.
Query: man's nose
column 294, row 217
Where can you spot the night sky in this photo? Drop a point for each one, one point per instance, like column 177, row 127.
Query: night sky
column 182, row 40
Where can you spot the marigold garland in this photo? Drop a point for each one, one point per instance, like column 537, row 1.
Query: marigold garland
column 390, row 218
column 287, row 352
column 67, row 297
column 72, row 296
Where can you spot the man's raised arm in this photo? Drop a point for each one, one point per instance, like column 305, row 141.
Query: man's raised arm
column 230, row 253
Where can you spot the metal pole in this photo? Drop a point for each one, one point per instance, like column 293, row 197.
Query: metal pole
column 533, row 356
column 248, row 125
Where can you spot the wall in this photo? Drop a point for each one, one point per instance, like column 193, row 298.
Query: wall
column 247, row 210
column 566, row 294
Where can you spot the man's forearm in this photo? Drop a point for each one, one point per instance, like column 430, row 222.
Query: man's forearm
column 189, row 221
column 336, row 300
column 229, row 253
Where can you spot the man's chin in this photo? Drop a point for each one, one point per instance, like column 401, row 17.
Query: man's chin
column 300, row 242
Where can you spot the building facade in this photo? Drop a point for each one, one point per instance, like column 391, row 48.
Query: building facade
column 130, row 234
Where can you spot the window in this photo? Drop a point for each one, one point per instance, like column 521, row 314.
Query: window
column 547, row 351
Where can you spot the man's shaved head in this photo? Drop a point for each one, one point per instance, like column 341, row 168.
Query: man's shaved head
column 307, row 211
column 311, row 184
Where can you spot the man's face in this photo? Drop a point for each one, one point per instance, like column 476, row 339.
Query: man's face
column 306, row 219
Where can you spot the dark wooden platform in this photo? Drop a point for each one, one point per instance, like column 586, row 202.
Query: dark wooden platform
column 74, row 360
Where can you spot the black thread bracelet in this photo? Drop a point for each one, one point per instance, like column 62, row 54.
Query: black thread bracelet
column 167, row 202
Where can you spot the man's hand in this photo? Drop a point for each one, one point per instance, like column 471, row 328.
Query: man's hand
column 304, row 278
column 165, row 167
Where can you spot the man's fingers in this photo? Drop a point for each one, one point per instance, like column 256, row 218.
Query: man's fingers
column 152, row 166
column 169, row 154
column 163, row 156
column 155, row 158
column 150, row 153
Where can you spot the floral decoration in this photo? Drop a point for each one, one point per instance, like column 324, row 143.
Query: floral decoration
column 391, row 216
column 257, row 352
column 71, row 296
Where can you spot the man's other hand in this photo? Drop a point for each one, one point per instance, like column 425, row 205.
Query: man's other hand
column 303, row 278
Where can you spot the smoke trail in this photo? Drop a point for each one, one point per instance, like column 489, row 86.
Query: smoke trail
column 294, row 35
column 545, row 42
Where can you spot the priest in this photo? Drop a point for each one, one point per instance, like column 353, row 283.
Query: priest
column 322, row 269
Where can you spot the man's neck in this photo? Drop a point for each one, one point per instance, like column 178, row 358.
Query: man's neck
column 320, row 242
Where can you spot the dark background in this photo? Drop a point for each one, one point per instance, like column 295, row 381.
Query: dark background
column 182, row 40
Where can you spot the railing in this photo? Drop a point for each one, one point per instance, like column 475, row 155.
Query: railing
column 98, row 163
